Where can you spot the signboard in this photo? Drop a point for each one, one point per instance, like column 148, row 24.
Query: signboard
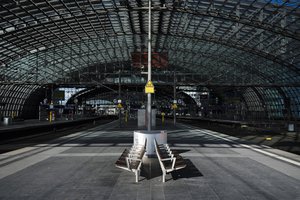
column 51, row 106
column 158, row 60
column 59, row 95
column 149, row 88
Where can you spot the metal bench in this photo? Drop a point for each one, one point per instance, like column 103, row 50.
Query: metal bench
column 168, row 160
column 131, row 159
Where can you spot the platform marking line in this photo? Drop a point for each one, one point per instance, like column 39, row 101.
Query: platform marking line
column 250, row 147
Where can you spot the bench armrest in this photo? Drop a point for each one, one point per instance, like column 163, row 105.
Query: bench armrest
column 138, row 146
column 131, row 158
column 166, row 159
column 135, row 152
column 133, row 155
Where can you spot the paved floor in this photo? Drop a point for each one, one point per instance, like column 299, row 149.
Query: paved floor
column 278, row 138
column 81, row 166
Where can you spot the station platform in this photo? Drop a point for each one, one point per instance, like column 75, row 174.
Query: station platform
column 29, row 128
column 81, row 166
column 35, row 123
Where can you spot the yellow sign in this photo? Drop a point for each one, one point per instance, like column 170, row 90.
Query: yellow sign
column 59, row 95
column 120, row 105
column 174, row 106
column 149, row 88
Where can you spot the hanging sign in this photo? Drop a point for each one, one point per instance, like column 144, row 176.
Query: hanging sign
column 149, row 88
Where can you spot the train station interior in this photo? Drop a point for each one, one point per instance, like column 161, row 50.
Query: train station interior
column 150, row 99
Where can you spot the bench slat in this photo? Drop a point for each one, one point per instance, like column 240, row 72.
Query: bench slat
column 131, row 160
column 167, row 159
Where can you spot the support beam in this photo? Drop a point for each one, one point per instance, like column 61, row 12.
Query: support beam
column 174, row 97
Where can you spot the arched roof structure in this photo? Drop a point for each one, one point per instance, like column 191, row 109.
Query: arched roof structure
column 255, row 41
column 231, row 43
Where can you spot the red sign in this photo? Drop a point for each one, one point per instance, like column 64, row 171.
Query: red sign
column 159, row 60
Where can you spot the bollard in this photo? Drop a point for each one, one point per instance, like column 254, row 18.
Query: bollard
column 126, row 116
column 50, row 116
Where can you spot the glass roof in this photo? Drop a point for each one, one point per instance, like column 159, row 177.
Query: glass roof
column 226, row 42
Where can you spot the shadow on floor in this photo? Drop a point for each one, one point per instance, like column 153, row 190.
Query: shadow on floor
column 151, row 169
column 189, row 171
column 180, row 151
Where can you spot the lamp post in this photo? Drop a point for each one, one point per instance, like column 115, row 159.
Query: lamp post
column 148, row 136
column 149, row 109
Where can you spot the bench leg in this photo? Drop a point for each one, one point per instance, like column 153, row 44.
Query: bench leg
column 137, row 176
column 164, row 177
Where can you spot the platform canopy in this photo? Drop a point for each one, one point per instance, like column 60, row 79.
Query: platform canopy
column 220, row 42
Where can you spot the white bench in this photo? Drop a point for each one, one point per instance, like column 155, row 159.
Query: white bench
column 131, row 159
column 167, row 159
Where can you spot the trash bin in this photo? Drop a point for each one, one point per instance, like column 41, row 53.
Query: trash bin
column 6, row 120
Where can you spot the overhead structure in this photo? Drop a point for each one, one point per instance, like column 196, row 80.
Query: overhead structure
column 226, row 41
column 251, row 44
